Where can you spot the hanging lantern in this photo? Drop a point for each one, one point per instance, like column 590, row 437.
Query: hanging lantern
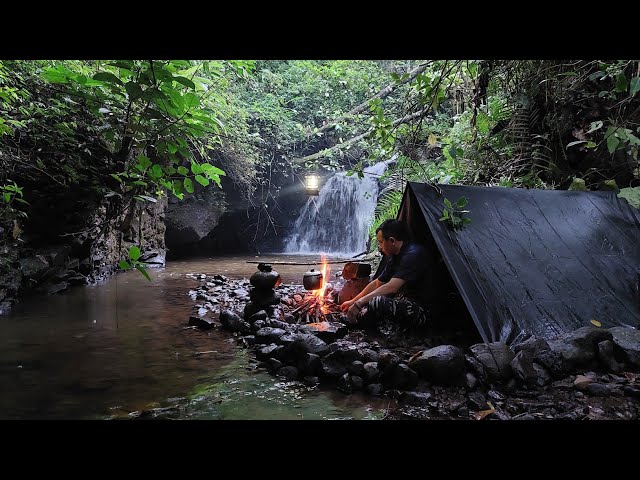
column 312, row 184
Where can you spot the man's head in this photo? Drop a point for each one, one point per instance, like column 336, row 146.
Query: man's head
column 391, row 234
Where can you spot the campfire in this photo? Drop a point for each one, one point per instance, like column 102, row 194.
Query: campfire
column 317, row 305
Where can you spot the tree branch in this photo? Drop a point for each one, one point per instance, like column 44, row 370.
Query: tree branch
column 385, row 92
column 351, row 141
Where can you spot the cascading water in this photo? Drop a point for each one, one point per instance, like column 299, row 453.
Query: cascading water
column 337, row 220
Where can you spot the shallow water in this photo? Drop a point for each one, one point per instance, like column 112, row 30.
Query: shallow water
column 122, row 347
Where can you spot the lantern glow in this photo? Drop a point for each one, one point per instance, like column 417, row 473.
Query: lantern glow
column 312, row 184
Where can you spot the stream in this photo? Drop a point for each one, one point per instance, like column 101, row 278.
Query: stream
column 122, row 349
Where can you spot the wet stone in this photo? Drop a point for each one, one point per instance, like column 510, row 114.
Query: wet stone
column 311, row 381
column 598, row 390
column 289, row 372
column 202, row 323
column 375, row 389
column 371, row 371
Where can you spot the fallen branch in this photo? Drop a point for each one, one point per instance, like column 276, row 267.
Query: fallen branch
column 385, row 92
column 340, row 146
column 294, row 263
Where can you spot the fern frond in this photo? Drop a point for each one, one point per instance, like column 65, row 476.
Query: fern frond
column 388, row 207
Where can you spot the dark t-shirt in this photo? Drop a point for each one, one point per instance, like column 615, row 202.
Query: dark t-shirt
column 410, row 264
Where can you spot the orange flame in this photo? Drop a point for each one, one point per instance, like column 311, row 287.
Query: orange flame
column 320, row 293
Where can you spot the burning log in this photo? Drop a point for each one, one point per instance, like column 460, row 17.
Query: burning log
column 314, row 309
column 317, row 305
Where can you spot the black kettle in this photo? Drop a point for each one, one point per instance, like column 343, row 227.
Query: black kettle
column 312, row 280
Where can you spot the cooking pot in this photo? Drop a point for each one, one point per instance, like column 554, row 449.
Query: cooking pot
column 265, row 278
column 312, row 280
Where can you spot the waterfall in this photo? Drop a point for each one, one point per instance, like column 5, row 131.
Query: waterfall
column 337, row 221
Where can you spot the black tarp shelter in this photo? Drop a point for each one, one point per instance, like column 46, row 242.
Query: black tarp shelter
column 533, row 262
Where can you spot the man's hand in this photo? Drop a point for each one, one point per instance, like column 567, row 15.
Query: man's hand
column 344, row 306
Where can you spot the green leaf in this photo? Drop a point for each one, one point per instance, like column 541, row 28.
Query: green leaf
column 124, row 265
column 133, row 90
column 142, row 270
column 631, row 195
column 156, row 171
column 634, row 87
column 186, row 82
column 143, row 162
column 215, row 178
column 127, row 64
column 208, row 169
column 621, row 83
column 448, row 203
column 107, row 77
column 462, row 202
column 578, row 184
column 7, row 197
column 134, row 253
column 113, row 175
column 202, row 180
column 195, row 168
column 188, row 185
column 58, row 74
column 173, row 148
column 632, row 139
column 183, row 170
column 191, row 100
column 612, row 143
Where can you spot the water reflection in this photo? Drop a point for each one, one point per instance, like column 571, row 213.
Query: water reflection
column 123, row 346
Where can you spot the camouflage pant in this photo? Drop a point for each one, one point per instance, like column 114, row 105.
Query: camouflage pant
column 399, row 310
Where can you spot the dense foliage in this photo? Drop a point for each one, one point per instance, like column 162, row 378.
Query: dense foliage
column 129, row 131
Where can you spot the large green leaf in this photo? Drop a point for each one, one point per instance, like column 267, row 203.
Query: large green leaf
column 156, row 171
column 107, row 77
column 143, row 161
column 133, row 90
column 209, row 169
column 621, row 83
column 202, row 180
column 188, row 185
column 612, row 143
column 196, row 168
column 59, row 74
column 186, row 82
column 124, row 265
column 128, row 64
column 134, row 253
column 631, row 195
column 191, row 101
column 143, row 271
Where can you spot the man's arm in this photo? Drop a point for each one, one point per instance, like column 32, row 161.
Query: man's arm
column 371, row 286
column 391, row 287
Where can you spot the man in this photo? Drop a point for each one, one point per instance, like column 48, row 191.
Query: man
column 398, row 292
